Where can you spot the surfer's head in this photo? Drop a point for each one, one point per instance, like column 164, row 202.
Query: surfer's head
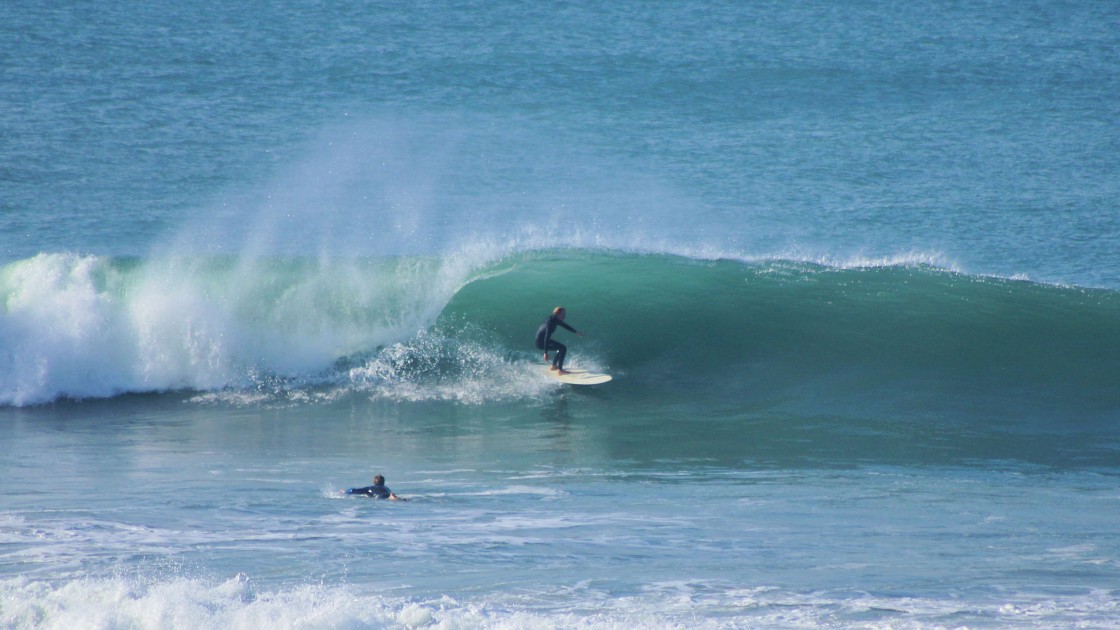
column 560, row 312
column 378, row 480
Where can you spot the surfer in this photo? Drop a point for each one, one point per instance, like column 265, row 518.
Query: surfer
column 547, row 343
column 376, row 491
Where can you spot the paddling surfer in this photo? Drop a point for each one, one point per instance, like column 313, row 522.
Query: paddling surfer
column 376, row 491
column 547, row 343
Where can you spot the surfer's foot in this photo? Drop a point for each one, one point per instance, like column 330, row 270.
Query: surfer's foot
column 563, row 372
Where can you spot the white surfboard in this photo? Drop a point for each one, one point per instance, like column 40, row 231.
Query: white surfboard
column 577, row 377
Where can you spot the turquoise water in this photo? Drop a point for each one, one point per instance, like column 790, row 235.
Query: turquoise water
column 853, row 268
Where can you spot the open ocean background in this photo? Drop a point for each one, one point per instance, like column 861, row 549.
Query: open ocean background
column 855, row 267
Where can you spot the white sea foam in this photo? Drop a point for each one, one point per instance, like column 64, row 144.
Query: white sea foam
column 238, row 603
column 58, row 316
column 83, row 326
column 429, row 367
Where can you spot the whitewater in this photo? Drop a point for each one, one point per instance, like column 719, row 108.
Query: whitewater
column 852, row 267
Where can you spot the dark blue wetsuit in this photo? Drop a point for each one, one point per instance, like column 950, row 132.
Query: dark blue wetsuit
column 376, row 492
column 547, row 343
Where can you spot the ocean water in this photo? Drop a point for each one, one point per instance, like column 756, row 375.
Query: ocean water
column 853, row 266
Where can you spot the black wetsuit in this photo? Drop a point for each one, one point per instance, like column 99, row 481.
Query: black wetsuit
column 377, row 492
column 547, row 343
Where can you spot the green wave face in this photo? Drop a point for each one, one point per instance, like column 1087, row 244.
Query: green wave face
column 738, row 331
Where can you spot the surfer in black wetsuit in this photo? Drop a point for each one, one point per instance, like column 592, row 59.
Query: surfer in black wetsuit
column 547, row 343
column 376, row 491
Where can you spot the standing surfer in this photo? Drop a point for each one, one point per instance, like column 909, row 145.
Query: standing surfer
column 547, row 343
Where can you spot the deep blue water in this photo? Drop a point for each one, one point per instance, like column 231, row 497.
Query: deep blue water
column 853, row 267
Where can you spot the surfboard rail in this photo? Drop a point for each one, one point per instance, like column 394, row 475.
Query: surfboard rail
column 577, row 376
